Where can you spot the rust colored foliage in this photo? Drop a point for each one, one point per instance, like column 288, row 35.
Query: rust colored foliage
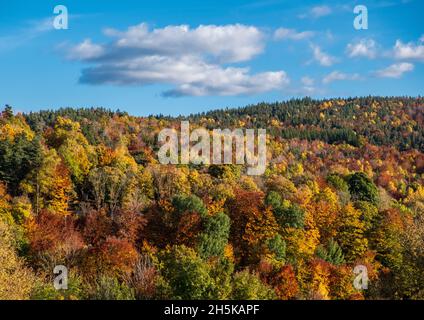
column 129, row 225
column 252, row 224
column 113, row 257
column 189, row 228
column 260, row 227
column 97, row 226
column 319, row 280
column 117, row 255
column 285, row 283
column 54, row 235
column 245, row 204
column 157, row 231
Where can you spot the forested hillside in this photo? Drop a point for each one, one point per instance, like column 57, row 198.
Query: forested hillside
column 376, row 120
column 343, row 187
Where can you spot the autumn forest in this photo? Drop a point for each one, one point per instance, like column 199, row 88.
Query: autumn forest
column 343, row 187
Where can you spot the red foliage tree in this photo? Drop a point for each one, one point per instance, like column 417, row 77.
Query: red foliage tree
column 97, row 226
column 53, row 239
column 285, row 283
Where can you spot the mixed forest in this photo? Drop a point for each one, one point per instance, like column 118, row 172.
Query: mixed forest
column 344, row 186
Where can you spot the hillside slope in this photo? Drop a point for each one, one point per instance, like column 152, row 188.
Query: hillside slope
column 344, row 186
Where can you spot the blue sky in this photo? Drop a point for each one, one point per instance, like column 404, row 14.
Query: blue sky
column 179, row 57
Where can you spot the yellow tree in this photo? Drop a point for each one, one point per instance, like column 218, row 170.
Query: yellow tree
column 50, row 185
column 324, row 208
column 5, row 208
column 16, row 280
column 351, row 231
column 68, row 140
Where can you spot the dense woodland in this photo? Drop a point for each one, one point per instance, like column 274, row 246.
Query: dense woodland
column 343, row 187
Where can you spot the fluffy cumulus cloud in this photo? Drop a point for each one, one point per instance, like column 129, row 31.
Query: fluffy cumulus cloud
column 230, row 43
column 195, row 61
column 321, row 57
column 363, row 48
column 85, row 50
column 337, row 76
column 395, row 70
column 292, row 34
column 409, row 51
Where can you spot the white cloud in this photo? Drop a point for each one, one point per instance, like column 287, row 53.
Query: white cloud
column 395, row 70
column 323, row 58
column 408, row 51
column 422, row 38
column 191, row 75
column 292, row 34
column 85, row 50
column 191, row 60
column 317, row 12
column 337, row 76
column 364, row 48
column 231, row 81
column 229, row 43
column 320, row 11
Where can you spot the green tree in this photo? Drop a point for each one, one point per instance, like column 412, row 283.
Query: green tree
column 248, row 286
column 17, row 158
column 287, row 214
column 8, row 112
column 337, row 182
column 188, row 276
column 110, row 288
column 274, row 200
column 190, row 203
column 292, row 216
column 221, row 272
column 277, row 246
column 332, row 253
column 362, row 188
column 214, row 238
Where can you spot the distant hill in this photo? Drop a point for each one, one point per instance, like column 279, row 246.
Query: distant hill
column 397, row 121
column 390, row 121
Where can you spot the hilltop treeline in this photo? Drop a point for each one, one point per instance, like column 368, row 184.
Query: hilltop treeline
column 378, row 120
